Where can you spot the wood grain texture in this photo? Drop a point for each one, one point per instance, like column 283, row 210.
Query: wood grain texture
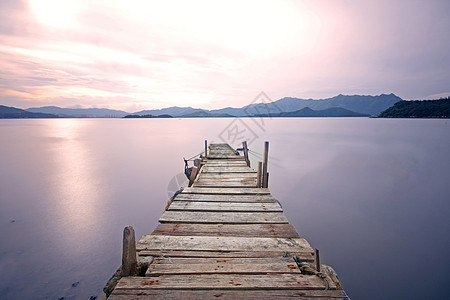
column 225, row 281
column 173, row 266
column 221, row 243
column 224, row 206
column 222, row 217
column 226, row 191
column 225, row 162
column 238, row 230
column 227, row 169
column 222, row 268
column 235, row 260
column 230, row 176
column 224, row 198
column 266, row 294
column 227, row 207
column 304, row 255
column 226, row 184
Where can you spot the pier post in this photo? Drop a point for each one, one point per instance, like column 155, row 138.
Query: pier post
column 244, row 146
column 265, row 179
column 206, row 148
column 129, row 259
column 317, row 260
column 258, row 177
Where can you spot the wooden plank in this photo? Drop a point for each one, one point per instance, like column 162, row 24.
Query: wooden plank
column 221, row 243
column 245, row 182
column 212, row 162
column 238, row 230
column 222, row 266
column 222, row 217
column 158, row 294
column 226, row 157
column 224, row 198
column 218, row 178
column 231, row 176
column 225, row 281
column 228, row 151
column 226, row 191
column 227, row 169
column 211, row 260
column 239, row 160
column 234, row 184
column 224, row 206
column 304, row 255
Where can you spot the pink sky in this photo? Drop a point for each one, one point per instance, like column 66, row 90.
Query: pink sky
column 135, row 55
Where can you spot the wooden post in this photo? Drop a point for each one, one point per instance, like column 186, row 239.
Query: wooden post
column 193, row 175
column 244, row 146
column 129, row 259
column 258, row 177
column 317, row 260
column 266, row 157
column 206, row 148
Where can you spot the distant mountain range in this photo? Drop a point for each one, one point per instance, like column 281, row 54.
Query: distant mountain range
column 7, row 112
column 79, row 112
column 341, row 105
column 370, row 105
column 329, row 112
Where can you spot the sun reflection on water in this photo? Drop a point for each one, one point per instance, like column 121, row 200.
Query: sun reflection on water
column 76, row 183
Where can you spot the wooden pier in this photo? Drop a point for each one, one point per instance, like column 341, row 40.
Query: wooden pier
column 226, row 237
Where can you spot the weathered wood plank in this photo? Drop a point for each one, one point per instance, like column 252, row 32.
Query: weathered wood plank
column 238, row 230
column 227, row 180
column 225, row 162
column 224, row 198
column 224, row 206
column 223, row 153
column 158, row 294
column 226, row 191
column 225, row 281
column 227, row 169
column 221, row 243
column 222, row 217
column 222, row 266
column 226, row 157
column 224, row 177
column 304, row 255
column 230, row 176
column 210, row 260
column 225, row 184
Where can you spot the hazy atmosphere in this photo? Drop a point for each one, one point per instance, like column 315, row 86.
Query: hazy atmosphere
column 135, row 55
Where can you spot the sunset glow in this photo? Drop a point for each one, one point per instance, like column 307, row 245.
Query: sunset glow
column 136, row 55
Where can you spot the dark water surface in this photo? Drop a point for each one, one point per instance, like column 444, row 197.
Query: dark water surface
column 372, row 194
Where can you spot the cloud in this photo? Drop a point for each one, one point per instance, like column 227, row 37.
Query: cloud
column 149, row 54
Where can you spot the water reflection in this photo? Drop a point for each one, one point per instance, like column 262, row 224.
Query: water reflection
column 75, row 187
column 367, row 192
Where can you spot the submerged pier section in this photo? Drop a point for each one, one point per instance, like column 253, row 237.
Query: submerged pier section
column 226, row 237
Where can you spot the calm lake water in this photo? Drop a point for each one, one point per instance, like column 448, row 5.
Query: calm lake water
column 372, row 194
